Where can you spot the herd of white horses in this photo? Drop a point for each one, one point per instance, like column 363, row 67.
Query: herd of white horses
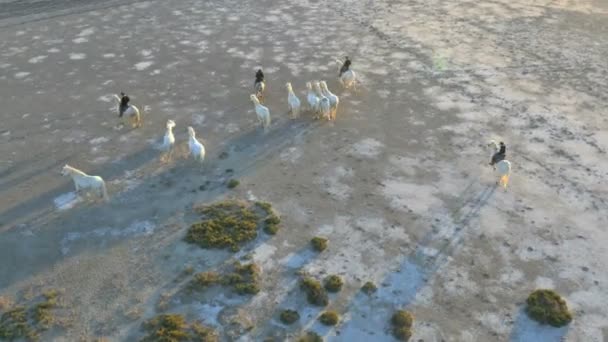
column 321, row 102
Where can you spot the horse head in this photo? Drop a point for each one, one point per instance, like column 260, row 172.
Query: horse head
column 170, row 124
column 65, row 170
column 191, row 132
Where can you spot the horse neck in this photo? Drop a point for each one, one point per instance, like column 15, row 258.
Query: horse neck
column 75, row 172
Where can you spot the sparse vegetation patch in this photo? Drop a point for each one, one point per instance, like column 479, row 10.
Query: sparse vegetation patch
column 402, row 322
column 333, row 283
column 319, row 244
column 548, row 307
column 369, row 288
column 315, row 293
column 23, row 322
column 329, row 318
column 174, row 328
column 227, row 224
column 244, row 279
column 289, row 316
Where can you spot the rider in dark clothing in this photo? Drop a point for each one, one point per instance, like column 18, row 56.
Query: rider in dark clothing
column 124, row 103
column 345, row 66
column 259, row 76
column 500, row 155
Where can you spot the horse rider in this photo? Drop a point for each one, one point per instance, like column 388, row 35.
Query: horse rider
column 345, row 66
column 500, row 155
column 259, row 76
column 124, row 103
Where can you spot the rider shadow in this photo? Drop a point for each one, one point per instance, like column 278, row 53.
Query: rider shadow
column 526, row 330
column 369, row 315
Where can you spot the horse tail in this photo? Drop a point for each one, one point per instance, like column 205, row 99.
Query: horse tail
column 104, row 191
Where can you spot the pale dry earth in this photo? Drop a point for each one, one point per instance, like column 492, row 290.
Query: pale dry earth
column 399, row 183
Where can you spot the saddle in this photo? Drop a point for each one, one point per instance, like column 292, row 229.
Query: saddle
column 123, row 109
column 498, row 157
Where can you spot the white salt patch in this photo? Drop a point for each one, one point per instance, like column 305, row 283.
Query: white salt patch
column 333, row 184
column 493, row 322
column 79, row 40
column 544, row 283
column 208, row 313
column 66, row 201
column 251, row 196
column 37, row 59
column 402, row 195
column 291, row 155
column 263, row 253
column 367, row 148
column 86, row 32
column 527, row 330
column 98, row 140
column 77, row 56
column 134, row 229
column 232, row 128
column 146, row 53
column 21, row 75
column 53, row 50
column 100, row 160
column 198, row 119
column 143, row 65
column 109, row 55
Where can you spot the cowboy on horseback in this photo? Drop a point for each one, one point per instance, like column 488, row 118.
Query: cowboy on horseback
column 259, row 76
column 124, row 104
column 500, row 155
column 345, row 66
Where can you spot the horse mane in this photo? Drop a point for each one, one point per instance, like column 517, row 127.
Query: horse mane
column 73, row 169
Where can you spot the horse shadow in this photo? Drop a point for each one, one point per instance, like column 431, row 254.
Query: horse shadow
column 526, row 330
column 249, row 150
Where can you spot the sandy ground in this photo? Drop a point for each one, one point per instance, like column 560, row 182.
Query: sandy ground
column 399, row 184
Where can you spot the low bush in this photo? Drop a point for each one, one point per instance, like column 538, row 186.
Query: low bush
column 315, row 293
column 329, row 318
column 547, row 307
column 319, row 244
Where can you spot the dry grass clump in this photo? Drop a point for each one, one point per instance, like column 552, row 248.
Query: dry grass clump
column 205, row 279
column 289, row 316
column 329, row 318
column 333, row 283
column 548, row 307
column 42, row 311
column 14, row 324
column 174, row 328
column 315, row 293
column 369, row 288
column 402, row 322
column 319, row 244
column 227, row 224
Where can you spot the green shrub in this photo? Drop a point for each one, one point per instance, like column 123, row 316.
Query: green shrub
column 233, row 183
column 14, row 325
column 369, row 288
column 402, row 322
column 244, row 279
column 289, row 316
column 174, row 328
column 310, row 336
column 271, row 229
column 329, row 318
column 333, row 283
column 227, row 224
column 547, row 307
column 319, row 244
column 315, row 293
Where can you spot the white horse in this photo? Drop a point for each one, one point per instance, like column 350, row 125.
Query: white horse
column 504, row 171
column 293, row 101
column 348, row 78
column 82, row 181
column 324, row 102
column 197, row 150
column 262, row 112
column 131, row 112
column 313, row 100
column 258, row 88
column 333, row 99
column 169, row 140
